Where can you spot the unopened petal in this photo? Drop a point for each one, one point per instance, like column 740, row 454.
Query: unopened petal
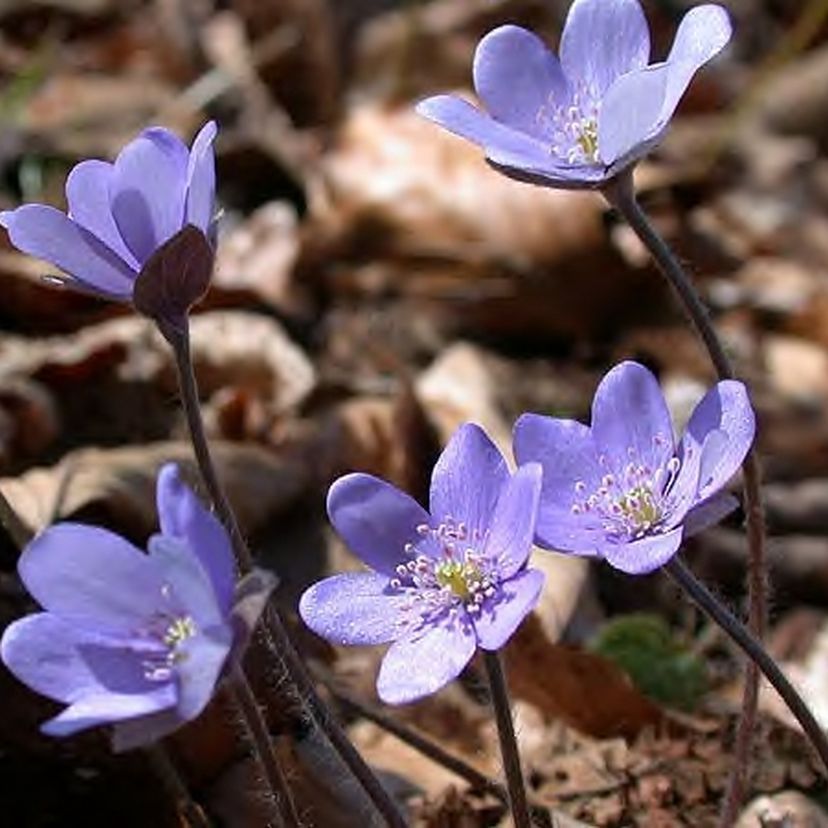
column 501, row 616
column 201, row 179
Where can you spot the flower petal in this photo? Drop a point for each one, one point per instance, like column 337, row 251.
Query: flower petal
column 513, row 522
column 198, row 672
column 500, row 617
column 92, row 575
column 566, row 452
column 87, row 193
column 645, row 555
column 709, row 513
column 48, row 234
column 375, row 519
column 518, row 79
column 182, row 515
column 145, row 730
column 603, row 39
column 630, row 114
column 423, row 663
column 91, row 711
column 148, row 190
column 201, row 179
column 630, row 419
column 354, row 608
column 702, row 34
column 468, row 479
column 726, row 407
column 190, row 591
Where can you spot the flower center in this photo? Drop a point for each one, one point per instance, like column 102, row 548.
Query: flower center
column 573, row 127
column 461, row 578
column 587, row 138
column 169, row 632
column 179, row 630
column 632, row 503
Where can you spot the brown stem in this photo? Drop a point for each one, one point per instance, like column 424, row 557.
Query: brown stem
column 621, row 194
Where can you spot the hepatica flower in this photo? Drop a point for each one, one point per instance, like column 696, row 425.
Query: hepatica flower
column 578, row 121
column 442, row 583
column 121, row 213
column 130, row 639
column 622, row 488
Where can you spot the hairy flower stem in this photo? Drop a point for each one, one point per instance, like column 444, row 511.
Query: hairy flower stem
column 705, row 600
column 278, row 640
column 621, row 194
column 263, row 748
column 508, row 743
column 177, row 789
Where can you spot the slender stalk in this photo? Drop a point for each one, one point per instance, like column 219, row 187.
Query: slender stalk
column 439, row 755
column 263, row 747
column 705, row 600
column 12, row 523
column 165, row 768
column 621, row 194
column 508, row 743
column 279, row 641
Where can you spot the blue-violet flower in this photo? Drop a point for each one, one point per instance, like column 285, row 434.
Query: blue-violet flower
column 119, row 214
column 443, row 583
column 578, row 122
column 130, row 639
column 621, row 489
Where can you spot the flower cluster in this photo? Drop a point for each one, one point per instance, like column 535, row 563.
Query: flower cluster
column 578, row 121
column 131, row 639
column 120, row 214
column 444, row 582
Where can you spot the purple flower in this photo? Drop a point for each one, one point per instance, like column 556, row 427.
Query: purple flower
column 622, row 489
column 121, row 213
column 443, row 583
column 577, row 122
column 129, row 639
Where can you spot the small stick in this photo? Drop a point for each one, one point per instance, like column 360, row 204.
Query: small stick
column 165, row 768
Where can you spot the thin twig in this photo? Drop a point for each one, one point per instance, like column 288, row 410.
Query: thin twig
column 279, row 642
column 621, row 194
column 508, row 744
column 18, row 531
column 263, row 747
column 705, row 600
column 163, row 765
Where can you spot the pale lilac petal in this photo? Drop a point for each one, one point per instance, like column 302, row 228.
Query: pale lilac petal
column 148, row 190
column 468, row 478
column 145, row 730
column 513, row 522
column 645, row 555
column 708, row 513
column 199, row 669
column 566, row 452
column 630, row 420
column 75, row 571
column 354, row 608
column 703, row 33
column 726, row 407
column 48, row 234
column 201, row 179
column 87, row 194
column 603, row 39
column 423, row 663
column 182, row 515
column 91, row 711
column 189, row 589
column 500, row 617
column 630, row 114
column 518, row 79
column 41, row 650
column 375, row 519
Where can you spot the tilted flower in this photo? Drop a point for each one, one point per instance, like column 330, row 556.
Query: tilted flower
column 622, row 489
column 135, row 640
column 443, row 583
column 578, row 122
column 119, row 214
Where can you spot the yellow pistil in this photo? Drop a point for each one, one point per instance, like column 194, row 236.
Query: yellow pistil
column 639, row 505
column 458, row 576
column 588, row 139
column 179, row 631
